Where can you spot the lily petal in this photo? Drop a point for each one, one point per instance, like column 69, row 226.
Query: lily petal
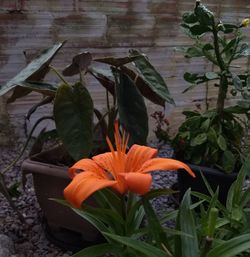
column 86, row 165
column 137, row 182
column 137, row 156
column 83, row 185
column 106, row 161
column 164, row 164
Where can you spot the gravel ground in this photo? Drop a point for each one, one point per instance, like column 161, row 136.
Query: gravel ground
column 29, row 239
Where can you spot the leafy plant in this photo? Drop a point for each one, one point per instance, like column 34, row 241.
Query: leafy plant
column 214, row 230
column 124, row 176
column 213, row 138
column 193, row 237
column 233, row 218
column 73, row 106
column 76, row 128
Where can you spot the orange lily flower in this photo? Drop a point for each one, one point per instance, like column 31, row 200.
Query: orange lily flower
column 118, row 170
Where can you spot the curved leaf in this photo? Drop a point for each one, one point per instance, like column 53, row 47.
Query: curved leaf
column 199, row 139
column 98, row 250
column 132, row 110
column 79, row 62
column 143, row 87
column 119, row 61
column 153, row 79
column 73, row 112
column 144, row 248
column 186, row 246
column 155, row 229
column 26, row 87
column 35, row 71
column 231, row 247
column 104, row 78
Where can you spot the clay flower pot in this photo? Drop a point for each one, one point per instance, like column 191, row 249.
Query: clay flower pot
column 62, row 226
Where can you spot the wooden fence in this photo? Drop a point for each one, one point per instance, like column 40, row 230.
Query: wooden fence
column 108, row 27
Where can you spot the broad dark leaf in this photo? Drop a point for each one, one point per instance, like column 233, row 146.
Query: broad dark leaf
column 143, row 87
column 204, row 15
column 189, row 17
column 79, row 63
column 26, row 87
column 132, row 109
column 198, row 30
column 34, row 71
column 104, row 77
column 151, row 76
column 73, row 112
column 101, row 123
column 191, row 77
column 18, row 92
column 119, row 61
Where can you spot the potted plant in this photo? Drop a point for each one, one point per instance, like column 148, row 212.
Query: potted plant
column 77, row 133
column 216, row 231
column 212, row 140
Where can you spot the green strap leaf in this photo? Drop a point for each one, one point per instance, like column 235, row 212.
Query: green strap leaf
column 98, row 250
column 73, row 112
column 186, row 246
column 231, row 247
column 157, row 232
column 132, row 109
column 142, row 247
column 239, row 196
column 159, row 192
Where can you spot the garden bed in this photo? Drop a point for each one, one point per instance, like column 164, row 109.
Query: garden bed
column 29, row 239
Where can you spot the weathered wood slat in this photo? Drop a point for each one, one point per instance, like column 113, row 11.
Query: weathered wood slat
column 108, row 27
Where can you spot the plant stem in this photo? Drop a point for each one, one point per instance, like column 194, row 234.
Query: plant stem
column 223, row 79
column 4, row 191
column 26, row 143
column 124, row 212
column 207, row 247
column 58, row 75
column 221, row 95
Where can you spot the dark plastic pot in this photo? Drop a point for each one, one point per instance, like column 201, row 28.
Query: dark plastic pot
column 63, row 227
column 214, row 177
